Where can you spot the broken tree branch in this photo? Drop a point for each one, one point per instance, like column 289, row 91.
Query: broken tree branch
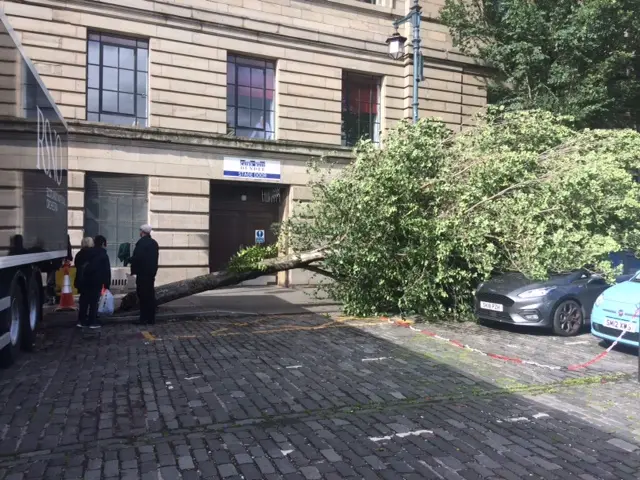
column 320, row 271
column 225, row 278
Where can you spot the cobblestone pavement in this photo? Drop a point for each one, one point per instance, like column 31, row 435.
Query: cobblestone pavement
column 308, row 397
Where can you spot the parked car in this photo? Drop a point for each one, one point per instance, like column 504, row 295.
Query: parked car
column 617, row 310
column 563, row 303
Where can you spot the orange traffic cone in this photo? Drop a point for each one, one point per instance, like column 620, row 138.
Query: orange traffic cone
column 66, row 296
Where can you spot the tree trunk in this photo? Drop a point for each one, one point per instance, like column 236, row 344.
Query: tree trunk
column 224, row 278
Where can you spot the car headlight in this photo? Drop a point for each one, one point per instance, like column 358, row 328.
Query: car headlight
column 536, row 292
column 599, row 300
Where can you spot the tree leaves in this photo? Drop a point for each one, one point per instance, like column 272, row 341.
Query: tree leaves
column 568, row 57
column 416, row 225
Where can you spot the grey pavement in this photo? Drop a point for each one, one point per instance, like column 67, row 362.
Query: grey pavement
column 258, row 300
column 308, row 395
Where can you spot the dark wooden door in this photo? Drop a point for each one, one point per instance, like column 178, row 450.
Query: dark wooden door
column 236, row 212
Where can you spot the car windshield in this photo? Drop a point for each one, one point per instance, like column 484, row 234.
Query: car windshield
column 627, row 260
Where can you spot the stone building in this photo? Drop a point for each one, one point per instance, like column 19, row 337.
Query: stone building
column 171, row 102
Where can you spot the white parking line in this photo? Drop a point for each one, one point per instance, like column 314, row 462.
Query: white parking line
column 536, row 416
column 518, row 419
column 400, row 435
column 540, row 415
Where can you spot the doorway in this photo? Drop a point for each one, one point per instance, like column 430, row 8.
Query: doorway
column 236, row 211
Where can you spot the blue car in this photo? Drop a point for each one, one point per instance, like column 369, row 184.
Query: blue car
column 618, row 310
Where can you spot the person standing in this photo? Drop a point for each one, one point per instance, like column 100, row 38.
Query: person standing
column 92, row 274
column 81, row 257
column 144, row 265
column 80, row 261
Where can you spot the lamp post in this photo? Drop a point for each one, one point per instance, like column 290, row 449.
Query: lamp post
column 396, row 49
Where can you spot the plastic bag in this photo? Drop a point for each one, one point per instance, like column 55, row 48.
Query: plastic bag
column 107, row 303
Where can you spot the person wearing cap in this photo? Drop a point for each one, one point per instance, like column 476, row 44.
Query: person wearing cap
column 144, row 265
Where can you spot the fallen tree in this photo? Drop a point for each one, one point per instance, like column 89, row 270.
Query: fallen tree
column 414, row 226
column 225, row 278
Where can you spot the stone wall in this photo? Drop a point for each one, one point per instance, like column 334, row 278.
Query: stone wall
column 311, row 42
column 179, row 213
column 180, row 169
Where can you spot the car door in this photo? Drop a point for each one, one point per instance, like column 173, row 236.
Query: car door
column 593, row 286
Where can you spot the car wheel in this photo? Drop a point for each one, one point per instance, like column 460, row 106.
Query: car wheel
column 568, row 319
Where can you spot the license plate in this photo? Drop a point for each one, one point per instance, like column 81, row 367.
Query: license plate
column 619, row 325
column 494, row 307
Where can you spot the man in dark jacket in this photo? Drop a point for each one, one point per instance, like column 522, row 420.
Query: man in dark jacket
column 95, row 274
column 144, row 265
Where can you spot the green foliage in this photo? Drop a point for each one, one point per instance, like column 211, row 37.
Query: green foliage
column 415, row 226
column 250, row 258
column 564, row 56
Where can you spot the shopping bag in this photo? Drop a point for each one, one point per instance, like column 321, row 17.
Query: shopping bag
column 106, row 306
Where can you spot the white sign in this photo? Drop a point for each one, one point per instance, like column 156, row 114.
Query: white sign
column 49, row 154
column 251, row 169
column 496, row 307
column 259, row 236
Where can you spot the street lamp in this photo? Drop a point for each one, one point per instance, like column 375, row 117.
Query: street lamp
column 396, row 48
column 396, row 45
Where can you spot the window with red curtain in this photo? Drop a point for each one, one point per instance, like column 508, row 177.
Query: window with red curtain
column 250, row 97
column 360, row 108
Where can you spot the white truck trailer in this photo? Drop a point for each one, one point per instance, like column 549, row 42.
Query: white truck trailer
column 33, row 194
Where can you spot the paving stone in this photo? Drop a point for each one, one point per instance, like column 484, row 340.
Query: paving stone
column 227, row 470
column 243, row 458
column 265, row 465
column 185, row 463
column 111, row 468
column 331, row 455
column 126, row 389
column 310, row 473
column 92, row 475
column 375, row 462
column 170, row 473
column 284, row 466
column 250, row 472
column 623, row 445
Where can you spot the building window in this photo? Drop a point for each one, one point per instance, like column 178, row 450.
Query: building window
column 360, row 108
column 250, row 97
column 117, row 80
column 115, row 206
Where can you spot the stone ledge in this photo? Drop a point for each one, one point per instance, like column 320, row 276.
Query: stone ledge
column 79, row 129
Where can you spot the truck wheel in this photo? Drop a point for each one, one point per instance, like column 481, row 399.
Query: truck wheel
column 34, row 314
column 14, row 319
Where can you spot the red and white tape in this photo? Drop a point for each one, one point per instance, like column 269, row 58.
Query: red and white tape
column 597, row 357
column 456, row 343
column 504, row 358
column 636, row 316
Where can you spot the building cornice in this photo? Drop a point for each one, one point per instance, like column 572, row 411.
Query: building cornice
column 90, row 131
